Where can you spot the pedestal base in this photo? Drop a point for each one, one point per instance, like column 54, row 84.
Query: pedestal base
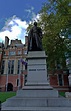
column 37, row 99
column 37, row 68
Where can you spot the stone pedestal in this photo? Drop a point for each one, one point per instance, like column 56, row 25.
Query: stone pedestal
column 37, row 69
column 37, row 94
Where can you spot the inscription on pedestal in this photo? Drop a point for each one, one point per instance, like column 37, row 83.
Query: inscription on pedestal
column 36, row 69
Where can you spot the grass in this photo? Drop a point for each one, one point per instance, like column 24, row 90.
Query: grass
column 62, row 94
column 6, row 95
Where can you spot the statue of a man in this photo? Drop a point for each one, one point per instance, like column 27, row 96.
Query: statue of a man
column 35, row 38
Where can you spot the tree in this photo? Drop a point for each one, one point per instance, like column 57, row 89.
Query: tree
column 55, row 22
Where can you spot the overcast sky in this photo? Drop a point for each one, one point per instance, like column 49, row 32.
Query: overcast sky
column 15, row 16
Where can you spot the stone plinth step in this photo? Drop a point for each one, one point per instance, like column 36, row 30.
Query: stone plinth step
column 37, row 102
column 36, row 109
column 38, row 84
column 37, row 92
column 38, row 87
column 36, row 54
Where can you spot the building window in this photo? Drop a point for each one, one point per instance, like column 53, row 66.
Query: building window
column 10, row 66
column 60, row 80
column 2, row 68
column 19, row 52
column 12, row 53
column 25, row 78
column 17, row 82
column 25, row 52
column 18, row 70
column 26, row 66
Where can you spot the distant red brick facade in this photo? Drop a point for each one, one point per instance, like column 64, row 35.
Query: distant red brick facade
column 59, row 79
column 13, row 72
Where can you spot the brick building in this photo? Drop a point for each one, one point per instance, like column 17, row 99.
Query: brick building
column 13, row 71
column 59, row 79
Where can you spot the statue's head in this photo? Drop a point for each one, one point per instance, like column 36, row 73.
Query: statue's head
column 35, row 23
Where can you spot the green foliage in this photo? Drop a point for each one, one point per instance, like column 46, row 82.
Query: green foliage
column 55, row 23
column 6, row 95
column 55, row 17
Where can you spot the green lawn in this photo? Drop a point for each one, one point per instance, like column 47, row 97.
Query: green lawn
column 5, row 95
column 62, row 94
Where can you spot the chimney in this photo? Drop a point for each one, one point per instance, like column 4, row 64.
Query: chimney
column 6, row 41
column 26, row 40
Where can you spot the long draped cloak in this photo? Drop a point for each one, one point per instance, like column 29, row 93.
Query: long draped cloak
column 35, row 39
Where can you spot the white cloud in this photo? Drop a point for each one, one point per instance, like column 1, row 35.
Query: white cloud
column 30, row 12
column 13, row 29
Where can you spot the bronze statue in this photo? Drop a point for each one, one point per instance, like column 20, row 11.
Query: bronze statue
column 35, row 38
